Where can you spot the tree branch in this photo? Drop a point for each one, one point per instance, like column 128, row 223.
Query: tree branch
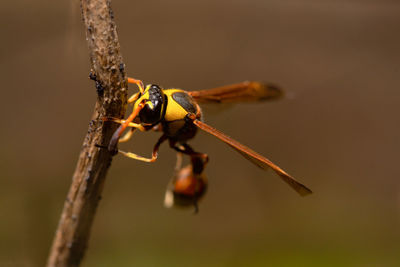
column 73, row 231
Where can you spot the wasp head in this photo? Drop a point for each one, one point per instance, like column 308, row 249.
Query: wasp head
column 153, row 98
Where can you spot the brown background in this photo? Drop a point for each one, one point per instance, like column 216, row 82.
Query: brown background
column 337, row 131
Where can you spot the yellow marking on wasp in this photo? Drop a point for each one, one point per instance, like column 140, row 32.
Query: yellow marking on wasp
column 174, row 110
column 145, row 96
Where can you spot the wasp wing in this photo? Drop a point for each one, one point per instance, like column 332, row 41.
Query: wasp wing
column 255, row 158
column 240, row 92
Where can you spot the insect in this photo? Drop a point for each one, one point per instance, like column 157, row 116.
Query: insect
column 177, row 114
column 188, row 185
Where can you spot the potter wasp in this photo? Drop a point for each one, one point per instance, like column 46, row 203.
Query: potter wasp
column 177, row 114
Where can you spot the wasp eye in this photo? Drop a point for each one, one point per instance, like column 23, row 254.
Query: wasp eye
column 151, row 113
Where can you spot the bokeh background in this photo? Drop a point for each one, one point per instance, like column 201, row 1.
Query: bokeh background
column 337, row 131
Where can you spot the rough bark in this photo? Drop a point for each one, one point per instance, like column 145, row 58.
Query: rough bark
column 108, row 72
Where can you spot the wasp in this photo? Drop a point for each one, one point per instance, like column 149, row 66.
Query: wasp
column 177, row 114
column 188, row 185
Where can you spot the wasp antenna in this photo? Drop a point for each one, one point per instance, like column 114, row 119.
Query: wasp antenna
column 112, row 146
column 117, row 134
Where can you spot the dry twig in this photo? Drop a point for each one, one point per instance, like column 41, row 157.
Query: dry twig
column 73, row 230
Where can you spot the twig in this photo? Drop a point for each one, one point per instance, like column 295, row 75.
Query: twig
column 73, row 231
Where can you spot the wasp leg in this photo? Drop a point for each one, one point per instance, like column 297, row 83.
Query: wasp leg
column 130, row 124
column 188, row 150
column 153, row 156
column 139, row 83
column 133, row 98
column 157, row 128
column 199, row 160
column 169, row 195
column 112, row 146
column 196, row 205
column 127, row 136
column 179, row 159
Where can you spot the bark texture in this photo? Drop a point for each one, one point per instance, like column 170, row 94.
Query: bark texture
column 108, row 72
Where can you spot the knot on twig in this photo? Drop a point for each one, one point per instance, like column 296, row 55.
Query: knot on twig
column 98, row 84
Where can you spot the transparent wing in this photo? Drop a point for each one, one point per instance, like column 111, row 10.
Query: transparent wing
column 255, row 158
column 240, row 92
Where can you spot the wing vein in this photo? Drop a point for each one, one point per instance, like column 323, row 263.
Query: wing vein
column 255, row 158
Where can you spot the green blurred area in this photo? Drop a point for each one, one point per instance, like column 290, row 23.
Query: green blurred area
column 337, row 131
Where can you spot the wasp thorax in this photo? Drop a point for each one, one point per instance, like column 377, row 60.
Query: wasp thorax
column 152, row 111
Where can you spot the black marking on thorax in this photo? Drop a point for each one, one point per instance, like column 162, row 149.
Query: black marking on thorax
column 165, row 104
column 185, row 101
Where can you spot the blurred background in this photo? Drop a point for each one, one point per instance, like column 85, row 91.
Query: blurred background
column 337, row 131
